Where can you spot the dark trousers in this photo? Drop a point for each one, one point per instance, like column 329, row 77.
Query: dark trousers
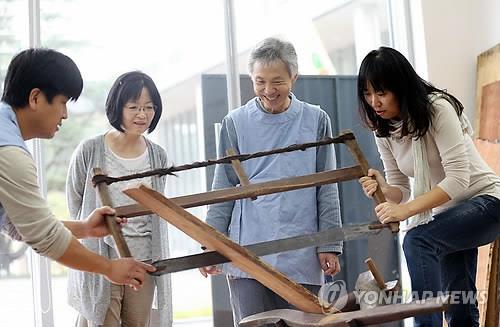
column 442, row 256
column 249, row 297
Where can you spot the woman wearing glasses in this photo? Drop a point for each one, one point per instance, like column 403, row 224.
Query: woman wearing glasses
column 133, row 107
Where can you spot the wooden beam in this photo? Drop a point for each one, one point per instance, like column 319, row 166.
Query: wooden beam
column 252, row 190
column 294, row 293
column 114, row 228
column 492, row 314
column 238, row 169
column 376, row 273
column 360, row 158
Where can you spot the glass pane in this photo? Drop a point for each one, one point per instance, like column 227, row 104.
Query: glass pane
column 162, row 39
column 331, row 37
column 15, row 273
column 13, row 32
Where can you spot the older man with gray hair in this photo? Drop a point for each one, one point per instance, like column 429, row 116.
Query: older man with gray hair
column 276, row 118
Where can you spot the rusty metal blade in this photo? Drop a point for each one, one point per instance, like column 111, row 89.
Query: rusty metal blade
column 346, row 233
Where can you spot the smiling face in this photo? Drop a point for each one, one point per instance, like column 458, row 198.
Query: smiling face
column 272, row 84
column 384, row 103
column 138, row 114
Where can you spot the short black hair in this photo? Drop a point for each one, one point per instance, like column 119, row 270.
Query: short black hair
column 48, row 70
column 129, row 87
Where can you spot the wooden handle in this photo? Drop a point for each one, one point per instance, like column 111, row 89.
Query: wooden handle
column 376, row 273
column 358, row 155
column 238, row 168
column 114, row 228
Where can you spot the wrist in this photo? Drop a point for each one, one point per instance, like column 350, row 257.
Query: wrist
column 85, row 229
column 104, row 267
column 78, row 228
column 410, row 209
column 384, row 188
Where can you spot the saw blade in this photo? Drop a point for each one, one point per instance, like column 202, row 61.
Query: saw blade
column 346, row 233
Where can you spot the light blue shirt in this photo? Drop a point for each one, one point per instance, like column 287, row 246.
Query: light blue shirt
column 250, row 129
column 10, row 135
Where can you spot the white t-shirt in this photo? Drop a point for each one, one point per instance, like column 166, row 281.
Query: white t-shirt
column 137, row 231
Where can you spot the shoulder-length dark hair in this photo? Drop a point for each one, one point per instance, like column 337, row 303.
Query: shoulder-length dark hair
column 388, row 70
column 128, row 87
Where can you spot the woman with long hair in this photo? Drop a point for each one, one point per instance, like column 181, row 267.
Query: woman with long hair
column 422, row 133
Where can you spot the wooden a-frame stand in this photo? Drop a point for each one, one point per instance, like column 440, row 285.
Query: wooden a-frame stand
column 172, row 210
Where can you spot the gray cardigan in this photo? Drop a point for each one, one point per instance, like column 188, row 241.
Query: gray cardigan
column 90, row 293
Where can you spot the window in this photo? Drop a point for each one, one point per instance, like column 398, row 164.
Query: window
column 15, row 267
column 162, row 39
column 330, row 37
column 174, row 42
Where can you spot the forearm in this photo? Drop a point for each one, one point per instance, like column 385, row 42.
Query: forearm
column 328, row 203
column 427, row 201
column 78, row 257
column 392, row 193
column 219, row 216
column 123, row 271
column 328, row 206
column 77, row 228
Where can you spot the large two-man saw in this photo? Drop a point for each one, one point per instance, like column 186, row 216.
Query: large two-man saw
column 245, row 258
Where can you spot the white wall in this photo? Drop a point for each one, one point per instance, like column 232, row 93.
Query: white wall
column 455, row 32
column 490, row 10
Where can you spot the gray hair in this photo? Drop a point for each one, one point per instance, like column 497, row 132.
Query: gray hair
column 272, row 49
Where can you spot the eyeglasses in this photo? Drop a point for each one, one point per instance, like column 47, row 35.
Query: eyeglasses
column 148, row 109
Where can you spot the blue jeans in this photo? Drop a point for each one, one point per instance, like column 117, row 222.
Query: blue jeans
column 442, row 256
